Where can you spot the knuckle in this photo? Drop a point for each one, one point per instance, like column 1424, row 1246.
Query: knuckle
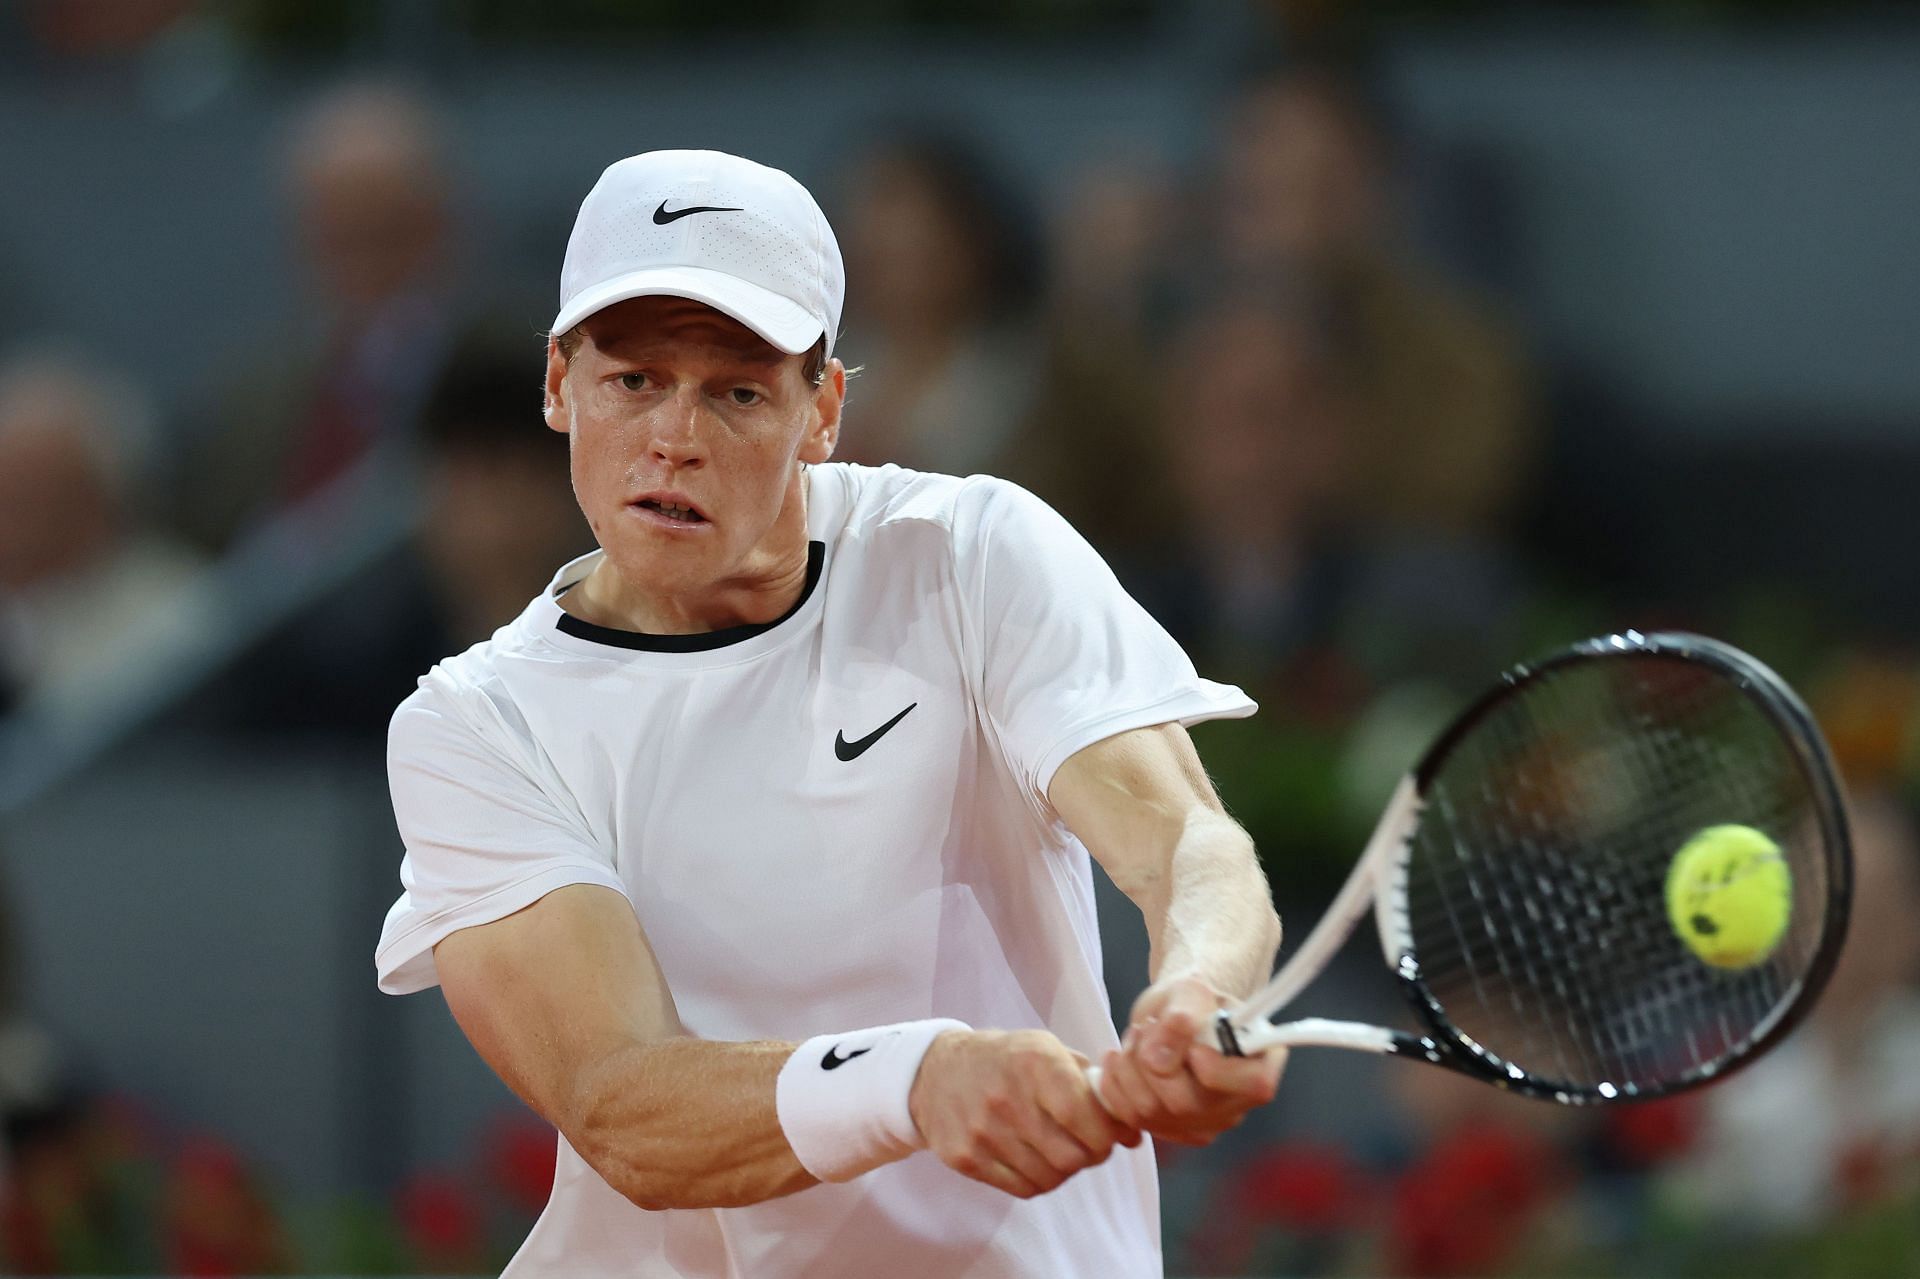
column 1064, row 1159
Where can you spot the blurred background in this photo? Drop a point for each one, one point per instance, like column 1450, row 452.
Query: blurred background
column 1377, row 346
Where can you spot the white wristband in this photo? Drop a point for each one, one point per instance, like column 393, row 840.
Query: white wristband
column 842, row 1099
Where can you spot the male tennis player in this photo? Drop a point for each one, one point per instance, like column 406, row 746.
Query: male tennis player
column 753, row 854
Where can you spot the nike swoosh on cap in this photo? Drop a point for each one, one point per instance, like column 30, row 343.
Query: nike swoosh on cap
column 661, row 217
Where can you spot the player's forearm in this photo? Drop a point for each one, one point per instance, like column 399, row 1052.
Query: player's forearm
column 686, row 1123
column 1211, row 914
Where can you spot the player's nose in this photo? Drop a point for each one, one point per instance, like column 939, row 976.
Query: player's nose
column 675, row 433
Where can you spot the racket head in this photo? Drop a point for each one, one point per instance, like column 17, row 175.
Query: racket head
column 1526, row 912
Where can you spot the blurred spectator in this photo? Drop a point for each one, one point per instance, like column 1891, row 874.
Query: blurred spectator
column 1256, row 419
column 498, row 519
column 86, row 588
column 500, row 514
column 1830, row 1120
column 940, row 281
column 1442, row 428
column 371, row 189
column 77, row 28
column 1092, row 444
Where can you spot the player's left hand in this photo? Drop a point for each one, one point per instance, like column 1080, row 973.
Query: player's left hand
column 1168, row 1078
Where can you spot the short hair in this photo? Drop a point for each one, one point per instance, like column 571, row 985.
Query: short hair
column 814, row 368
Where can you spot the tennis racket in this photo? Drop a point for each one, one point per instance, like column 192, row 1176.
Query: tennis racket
column 1518, row 878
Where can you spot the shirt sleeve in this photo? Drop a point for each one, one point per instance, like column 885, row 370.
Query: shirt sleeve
column 1067, row 657
column 484, row 835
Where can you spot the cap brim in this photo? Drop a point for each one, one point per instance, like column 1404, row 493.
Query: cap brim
column 779, row 320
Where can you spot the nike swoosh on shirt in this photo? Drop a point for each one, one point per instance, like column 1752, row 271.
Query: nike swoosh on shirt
column 846, row 751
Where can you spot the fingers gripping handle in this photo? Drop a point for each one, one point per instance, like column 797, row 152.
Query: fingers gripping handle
column 1093, row 1082
column 1228, row 1037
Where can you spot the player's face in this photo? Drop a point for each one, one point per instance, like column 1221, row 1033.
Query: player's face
column 687, row 431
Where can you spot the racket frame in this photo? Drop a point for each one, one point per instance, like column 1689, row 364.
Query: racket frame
column 1379, row 881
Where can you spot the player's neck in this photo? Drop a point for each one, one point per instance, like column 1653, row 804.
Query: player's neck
column 762, row 588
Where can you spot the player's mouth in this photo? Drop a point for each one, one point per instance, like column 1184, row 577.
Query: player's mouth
column 668, row 510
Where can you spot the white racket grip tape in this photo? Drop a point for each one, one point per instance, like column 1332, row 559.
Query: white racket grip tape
column 842, row 1099
column 1316, row 1032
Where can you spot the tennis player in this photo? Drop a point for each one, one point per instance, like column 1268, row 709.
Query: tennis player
column 754, row 854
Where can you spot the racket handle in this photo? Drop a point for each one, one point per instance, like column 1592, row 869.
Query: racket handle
column 1229, row 1045
column 1317, row 1032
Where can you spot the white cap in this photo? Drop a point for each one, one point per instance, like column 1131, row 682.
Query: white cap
column 741, row 237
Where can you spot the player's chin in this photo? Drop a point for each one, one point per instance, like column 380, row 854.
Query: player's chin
column 665, row 565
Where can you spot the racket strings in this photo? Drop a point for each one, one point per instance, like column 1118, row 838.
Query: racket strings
column 1536, row 883
column 1591, row 1038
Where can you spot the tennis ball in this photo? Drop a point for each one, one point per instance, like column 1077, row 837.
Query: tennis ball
column 1729, row 895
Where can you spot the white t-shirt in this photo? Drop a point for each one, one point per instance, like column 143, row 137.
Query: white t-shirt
column 797, row 871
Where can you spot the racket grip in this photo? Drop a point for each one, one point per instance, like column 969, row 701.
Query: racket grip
column 1229, row 1040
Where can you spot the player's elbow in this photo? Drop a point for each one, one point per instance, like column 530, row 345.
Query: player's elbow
column 649, row 1153
column 658, row 1185
column 626, row 1160
column 651, row 1200
column 657, row 1194
column 613, row 1137
column 607, row 1121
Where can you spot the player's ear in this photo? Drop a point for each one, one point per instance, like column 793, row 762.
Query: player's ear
column 558, row 418
column 829, row 398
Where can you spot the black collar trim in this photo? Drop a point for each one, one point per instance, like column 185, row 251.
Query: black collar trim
column 705, row 640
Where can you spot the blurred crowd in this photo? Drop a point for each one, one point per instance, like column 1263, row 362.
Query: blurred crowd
column 1311, row 448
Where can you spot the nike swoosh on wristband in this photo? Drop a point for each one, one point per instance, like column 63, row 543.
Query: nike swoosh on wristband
column 846, row 751
column 661, row 217
column 831, row 1062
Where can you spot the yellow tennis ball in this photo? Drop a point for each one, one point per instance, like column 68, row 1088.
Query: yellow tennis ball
column 1730, row 895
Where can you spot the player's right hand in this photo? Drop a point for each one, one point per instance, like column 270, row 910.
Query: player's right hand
column 1012, row 1109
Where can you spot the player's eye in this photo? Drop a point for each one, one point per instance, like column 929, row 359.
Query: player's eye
column 633, row 381
column 744, row 396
